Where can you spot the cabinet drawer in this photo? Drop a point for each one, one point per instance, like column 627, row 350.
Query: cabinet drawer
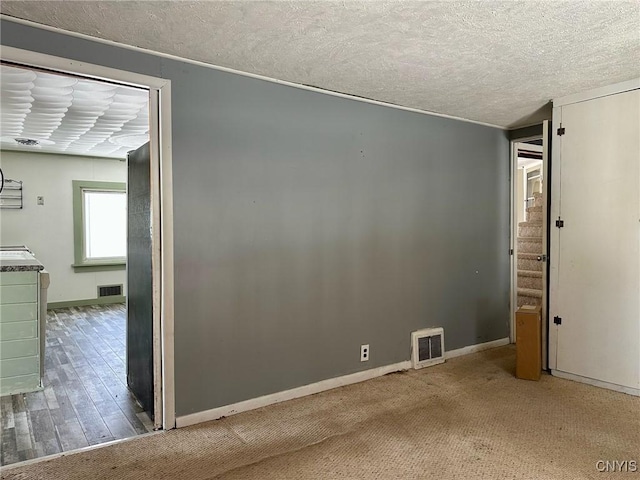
column 18, row 312
column 18, row 278
column 18, row 294
column 18, row 330
column 20, row 384
column 18, row 348
column 19, row 366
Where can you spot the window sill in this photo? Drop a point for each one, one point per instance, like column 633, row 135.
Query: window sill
column 98, row 266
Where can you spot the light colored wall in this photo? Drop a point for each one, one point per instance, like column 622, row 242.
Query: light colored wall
column 48, row 229
column 521, row 190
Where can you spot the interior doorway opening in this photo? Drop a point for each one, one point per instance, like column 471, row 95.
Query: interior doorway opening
column 529, row 237
column 95, row 379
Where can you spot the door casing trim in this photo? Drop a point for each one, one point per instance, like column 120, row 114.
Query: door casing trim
column 162, row 200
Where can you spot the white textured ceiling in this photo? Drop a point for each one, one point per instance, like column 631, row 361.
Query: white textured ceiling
column 57, row 114
column 493, row 62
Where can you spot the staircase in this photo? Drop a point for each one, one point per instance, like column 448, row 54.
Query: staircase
column 529, row 248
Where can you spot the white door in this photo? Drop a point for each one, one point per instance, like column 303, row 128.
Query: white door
column 595, row 256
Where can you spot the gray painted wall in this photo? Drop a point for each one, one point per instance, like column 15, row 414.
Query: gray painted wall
column 307, row 225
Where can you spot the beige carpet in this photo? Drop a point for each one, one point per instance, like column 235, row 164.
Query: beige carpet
column 468, row 418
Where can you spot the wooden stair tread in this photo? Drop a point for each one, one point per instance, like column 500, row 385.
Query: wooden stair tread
column 530, row 224
column 529, row 292
column 532, row 256
column 530, row 273
column 530, row 239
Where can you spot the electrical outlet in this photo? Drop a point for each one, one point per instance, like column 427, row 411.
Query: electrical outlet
column 364, row 353
column 40, row 200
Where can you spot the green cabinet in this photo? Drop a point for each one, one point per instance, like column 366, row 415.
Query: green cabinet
column 19, row 333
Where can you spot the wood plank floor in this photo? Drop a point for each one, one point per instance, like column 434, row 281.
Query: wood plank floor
column 85, row 400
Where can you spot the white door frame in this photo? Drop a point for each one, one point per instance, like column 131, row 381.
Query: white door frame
column 162, row 209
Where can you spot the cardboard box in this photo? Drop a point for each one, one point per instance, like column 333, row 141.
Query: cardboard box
column 528, row 343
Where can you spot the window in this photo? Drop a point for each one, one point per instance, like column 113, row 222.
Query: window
column 100, row 225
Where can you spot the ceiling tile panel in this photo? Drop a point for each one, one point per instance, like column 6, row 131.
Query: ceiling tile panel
column 45, row 112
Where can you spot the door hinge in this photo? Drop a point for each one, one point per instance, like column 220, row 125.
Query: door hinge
column 561, row 130
column 511, row 251
column 557, row 320
column 559, row 223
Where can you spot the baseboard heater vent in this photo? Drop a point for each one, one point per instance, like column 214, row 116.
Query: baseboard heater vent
column 427, row 347
column 109, row 291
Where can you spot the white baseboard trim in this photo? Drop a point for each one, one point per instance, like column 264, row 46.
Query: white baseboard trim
column 324, row 385
column 477, row 348
column 596, row 383
column 298, row 392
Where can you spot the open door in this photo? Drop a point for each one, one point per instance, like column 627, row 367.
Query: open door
column 140, row 365
column 530, row 157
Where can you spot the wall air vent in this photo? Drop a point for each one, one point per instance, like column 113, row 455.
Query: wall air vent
column 27, row 141
column 109, row 290
column 427, row 347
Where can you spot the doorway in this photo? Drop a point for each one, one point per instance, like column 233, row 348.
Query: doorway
column 529, row 237
column 158, row 304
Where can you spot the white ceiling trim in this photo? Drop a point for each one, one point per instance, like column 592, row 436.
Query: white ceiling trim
column 239, row 72
column 633, row 84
